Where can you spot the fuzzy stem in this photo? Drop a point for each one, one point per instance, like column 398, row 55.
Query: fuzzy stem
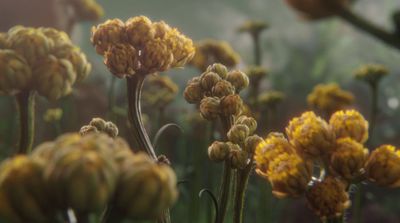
column 26, row 109
column 361, row 23
column 241, row 185
column 134, row 86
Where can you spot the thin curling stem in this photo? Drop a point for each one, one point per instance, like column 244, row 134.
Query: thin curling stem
column 135, row 85
column 361, row 23
column 241, row 185
column 26, row 108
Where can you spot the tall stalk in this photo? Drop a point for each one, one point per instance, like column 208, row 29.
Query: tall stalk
column 26, row 108
column 241, row 186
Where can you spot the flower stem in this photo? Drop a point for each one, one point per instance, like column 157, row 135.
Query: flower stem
column 26, row 108
column 135, row 85
column 357, row 21
column 241, row 185
column 357, row 204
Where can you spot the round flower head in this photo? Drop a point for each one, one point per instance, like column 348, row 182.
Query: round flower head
column 253, row 27
column 238, row 79
column 210, row 108
column 78, row 60
column 383, row 166
column 218, row 151
column 219, row 69
column 193, row 92
column 87, row 9
column 157, row 57
column 209, row 52
column 317, row 9
column 22, row 177
column 329, row 98
column 251, row 143
column 310, row 135
column 238, row 133
column 270, row 99
column 350, row 123
column 121, row 60
column 223, row 88
column 208, row 80
column 328, row 199
column 268, row 150
column 371, row 73
column 3, row 41
column 107, row 34
column 348, row 159
column 99, row 125
column 250, row 122
column 289, row 175
column 139, row 30
column 145, row 189
column 15, row 73
column 231, row 105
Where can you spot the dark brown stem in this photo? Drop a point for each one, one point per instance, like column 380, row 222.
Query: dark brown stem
column 361, row 23
column 135, row 85
column 26, row 109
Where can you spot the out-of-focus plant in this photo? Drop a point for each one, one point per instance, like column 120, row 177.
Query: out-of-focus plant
column 372, row 75
column 337, row 148
column 320, row 9
column 268, row 103
column 211, row 51
column 43, row 61
column 256, row 75
column 53, row 116
column 254, row 29
column 97, row 125
column 133, row 50
column 329, row 98
column 216, row 93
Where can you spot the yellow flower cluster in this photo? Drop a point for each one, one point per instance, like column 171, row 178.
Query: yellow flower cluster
column 84, row 173
column 87, row 9
column 216, row 90
column 99, row 125
column 253, row 27
column 141, row 46
column 383, row 166
column 53, row 115
column 209, row 52
column 329, row 98
column 159, row 91
column 371, row 73
column 41, row 59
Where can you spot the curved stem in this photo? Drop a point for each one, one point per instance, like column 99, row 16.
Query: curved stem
column 134, row 85
column 26, row 109
column 357, row 21
column 241, row 185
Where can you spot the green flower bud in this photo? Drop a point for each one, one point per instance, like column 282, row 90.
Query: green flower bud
column 231, row 105
column 218, row 151
column 219, row 69
column 248, row 121
column 223, row 88
column 210, row 108
column 238, row 133
column 238, row 79
column 208, row 80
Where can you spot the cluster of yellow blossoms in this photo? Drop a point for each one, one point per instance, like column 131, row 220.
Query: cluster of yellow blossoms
column 97, row 125
column 140, row 46
column 216, row 90
column 209, row 52
column 317, row 9
column 337, row 148
column 159, row 91
column 84, row 173
column 40, row 59
column 329, row 98
column 371, row 73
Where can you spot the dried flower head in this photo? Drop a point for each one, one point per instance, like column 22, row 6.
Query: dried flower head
column 350, row 123
column 329, row 98
column 317, row 9
column 238, row 79
column 210, row 108
column 348, row 159
column 121, row 59
column 231, row 105
column 383, row 166
column 209, row 52
column 311, row 135
column 99, row 125
column 328, row 199
column 371, row 73
column 53, row 115
column 15, row 73
column 218, row 151
column 238, row 133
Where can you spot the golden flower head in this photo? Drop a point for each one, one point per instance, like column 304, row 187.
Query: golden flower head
column 159, row 91
column 271, row 99
column 311, row 135
column 78, row 60
column 109, row 33
column 87, row 9
column 210, row 108
column 157, row 56
column 289, row 175
column 328, row 199
column 348, row 159
column 15, row 73
column 223, row 88
column 193, row 92
column 122, row 59
column 81, row 174
column 99, row 125
column 145, row 189
column 209, row 52
column 317, row 9
column 140, row 30
column 238, row 133
column 218, row 151
column 256, row 73
column 329, row 98
column 54, row 77
column 268, row 149
column 238, row 157
column 371, row 73
column 253, row 27
column 383, row 166
column 350, row 123
column 53, row 115
column 250, row 122
column 238, row 79
column 231, row 105
column 22, row 177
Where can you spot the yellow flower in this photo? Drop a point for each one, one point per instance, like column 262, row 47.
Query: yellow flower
column 328, row 199
column 58, row 38
column 140, row 30
column 289, row 175
column 99, row 125
column 53, row 115
column 268, row 150
column 348, row 159
column 182, row 47
column 157, row 57
column 351, row 124
column 371, row 73
column 310, row 135
column 15, row 73
column 383, row 166
column 329, row 98
column 107, row 34
column 122, row 60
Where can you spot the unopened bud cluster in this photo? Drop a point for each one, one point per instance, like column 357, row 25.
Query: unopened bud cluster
column 216, row 91
column 99, row 125
column 40, row 59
